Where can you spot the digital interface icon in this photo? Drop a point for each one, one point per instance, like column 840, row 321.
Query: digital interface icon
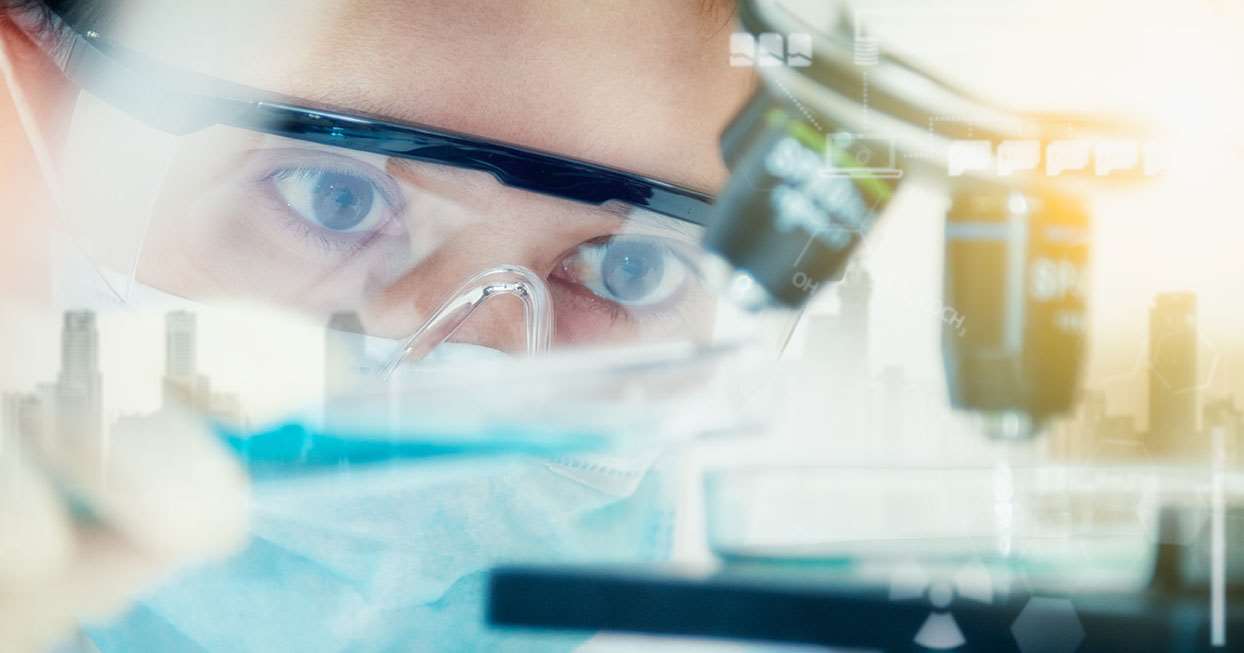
column 770, row 49
column 940, row 631
column 742, row 50
column 799, row 50
column 870, row 156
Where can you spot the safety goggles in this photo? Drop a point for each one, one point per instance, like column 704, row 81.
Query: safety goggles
column 212, row 190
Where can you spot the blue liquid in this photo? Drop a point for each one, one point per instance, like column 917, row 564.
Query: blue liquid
column 294, row 447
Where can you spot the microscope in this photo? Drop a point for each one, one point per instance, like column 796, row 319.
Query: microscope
column 818, row 154
column 836, row 130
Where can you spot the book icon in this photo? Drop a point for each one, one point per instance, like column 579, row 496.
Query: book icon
column 742, row 50
column 770, row 49
column 799, row 50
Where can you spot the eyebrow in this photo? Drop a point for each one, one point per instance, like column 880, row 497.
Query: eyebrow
column 654, row 220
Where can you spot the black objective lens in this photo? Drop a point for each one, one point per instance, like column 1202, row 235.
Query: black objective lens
column 798, row 201
column 1014, row 322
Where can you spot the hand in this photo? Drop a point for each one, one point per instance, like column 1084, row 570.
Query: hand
column 164, row 495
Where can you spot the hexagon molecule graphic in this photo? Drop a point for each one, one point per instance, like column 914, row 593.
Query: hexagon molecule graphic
column 1048, row 625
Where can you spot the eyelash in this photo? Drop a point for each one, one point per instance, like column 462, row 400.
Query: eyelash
column 617, row 311
column 328, row 241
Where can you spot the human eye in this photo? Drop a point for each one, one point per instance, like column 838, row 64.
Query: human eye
column 629, row 271
column 336, row 199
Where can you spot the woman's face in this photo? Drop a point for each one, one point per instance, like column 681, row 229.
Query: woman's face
column 641, row 86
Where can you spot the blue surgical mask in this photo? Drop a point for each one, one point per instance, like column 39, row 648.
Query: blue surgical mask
column 391, row 558
column 395, row 558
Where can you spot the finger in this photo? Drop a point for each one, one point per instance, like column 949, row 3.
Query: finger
column 96, row 587
column 36, row 539
column 109, row 573
column 167, row 485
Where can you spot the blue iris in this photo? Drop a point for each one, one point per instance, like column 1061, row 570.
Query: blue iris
column 340, row 201
column 632, row 269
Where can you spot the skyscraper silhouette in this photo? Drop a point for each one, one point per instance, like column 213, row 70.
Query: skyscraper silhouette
column 855, row 295
column 344, row 365
column 1173, row 373
column 179, row 345
column 837, row 349
column 21, row 415
column 1221, row 413
column 182, row 384
column 78, row 404
column 839, row 342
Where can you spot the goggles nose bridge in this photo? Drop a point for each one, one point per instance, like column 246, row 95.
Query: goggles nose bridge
column 502, row 281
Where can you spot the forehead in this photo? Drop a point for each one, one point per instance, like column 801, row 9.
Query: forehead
column 643, row 85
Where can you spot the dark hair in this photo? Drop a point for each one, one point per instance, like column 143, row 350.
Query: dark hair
column 46, row 19
column 76, row 12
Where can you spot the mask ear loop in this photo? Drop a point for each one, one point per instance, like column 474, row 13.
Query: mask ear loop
column 505, row 280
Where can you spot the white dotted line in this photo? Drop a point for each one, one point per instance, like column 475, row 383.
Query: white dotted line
column 1218, row 546
column 864, row 90
column 806, row 113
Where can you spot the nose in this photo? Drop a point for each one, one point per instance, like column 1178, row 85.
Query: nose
column 514, row 232
column 467, row 305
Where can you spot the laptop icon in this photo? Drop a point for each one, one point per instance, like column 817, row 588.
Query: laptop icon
column 857, row 155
